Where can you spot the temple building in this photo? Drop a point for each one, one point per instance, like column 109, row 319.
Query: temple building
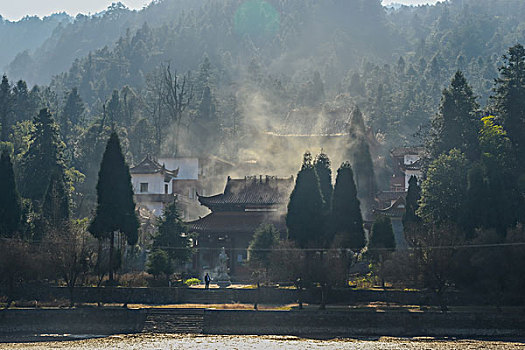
column 236, row 213
column 152, row 185
column 157, row 182
column 407, row 163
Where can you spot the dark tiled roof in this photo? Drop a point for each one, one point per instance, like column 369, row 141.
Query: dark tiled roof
column 417, row 165
column 252, row 191
column 402, row 151
column 151, row 166
column 391, row 195
column 395, row 210
column 236, row 222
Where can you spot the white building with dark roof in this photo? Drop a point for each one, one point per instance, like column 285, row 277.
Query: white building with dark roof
column 153, row 185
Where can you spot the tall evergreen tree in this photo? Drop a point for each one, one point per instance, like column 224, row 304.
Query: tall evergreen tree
column 24, row 106
column 324, row 173
column 305, row 219
column 510, row 99
column 115, row 206
column 10, row 205
column 172, row 235
column 346, row 215
column 457, row 124
column 364, row 172
column 6, row 108
column 412, row 202
column 56, row 206
column 357, row 123
column 74, row 109
column 43, row 158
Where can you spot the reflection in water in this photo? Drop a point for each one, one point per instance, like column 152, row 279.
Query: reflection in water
column 190, row 342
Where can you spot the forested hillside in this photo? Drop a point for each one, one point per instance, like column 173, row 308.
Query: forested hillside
column 26, row 34
column 212, row 76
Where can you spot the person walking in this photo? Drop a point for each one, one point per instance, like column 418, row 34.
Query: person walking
column 207, row 280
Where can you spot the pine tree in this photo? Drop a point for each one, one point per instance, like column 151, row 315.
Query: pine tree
column 457, row 124
column 412, row 203
column 509, row 99
column 305, row 209
column 115, row 206
column 172, row 235
column 24, row 106
column 346, row 216
column 43, row 158
column 10, row 205
column 324, row 173
column 382, row 240
column 56, row 206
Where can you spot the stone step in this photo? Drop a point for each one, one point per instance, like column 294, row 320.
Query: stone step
column 182, row 321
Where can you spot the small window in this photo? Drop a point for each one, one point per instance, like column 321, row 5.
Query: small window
column 166, row 188
column 143, row 187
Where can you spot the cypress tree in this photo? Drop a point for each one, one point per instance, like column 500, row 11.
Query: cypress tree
column 171, row 235
column 43, row 158
column 346, row 217
column 364, row 173
column 324, row 173
column 412, row 202
column 382, row 240
column 457, row 124
column 10, row 205
column 305, row 219
column 115, row 205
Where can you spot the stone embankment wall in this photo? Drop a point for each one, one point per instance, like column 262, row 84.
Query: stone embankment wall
column 97, row 321
column 363, row 323
column 302, row 323
column 264, row 295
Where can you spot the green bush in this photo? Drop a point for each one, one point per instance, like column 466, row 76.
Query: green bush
column 192, row 281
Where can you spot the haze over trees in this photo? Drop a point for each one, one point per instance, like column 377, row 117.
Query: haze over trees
column 216, row 78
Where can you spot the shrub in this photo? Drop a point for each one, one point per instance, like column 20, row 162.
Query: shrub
column 192, row 281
